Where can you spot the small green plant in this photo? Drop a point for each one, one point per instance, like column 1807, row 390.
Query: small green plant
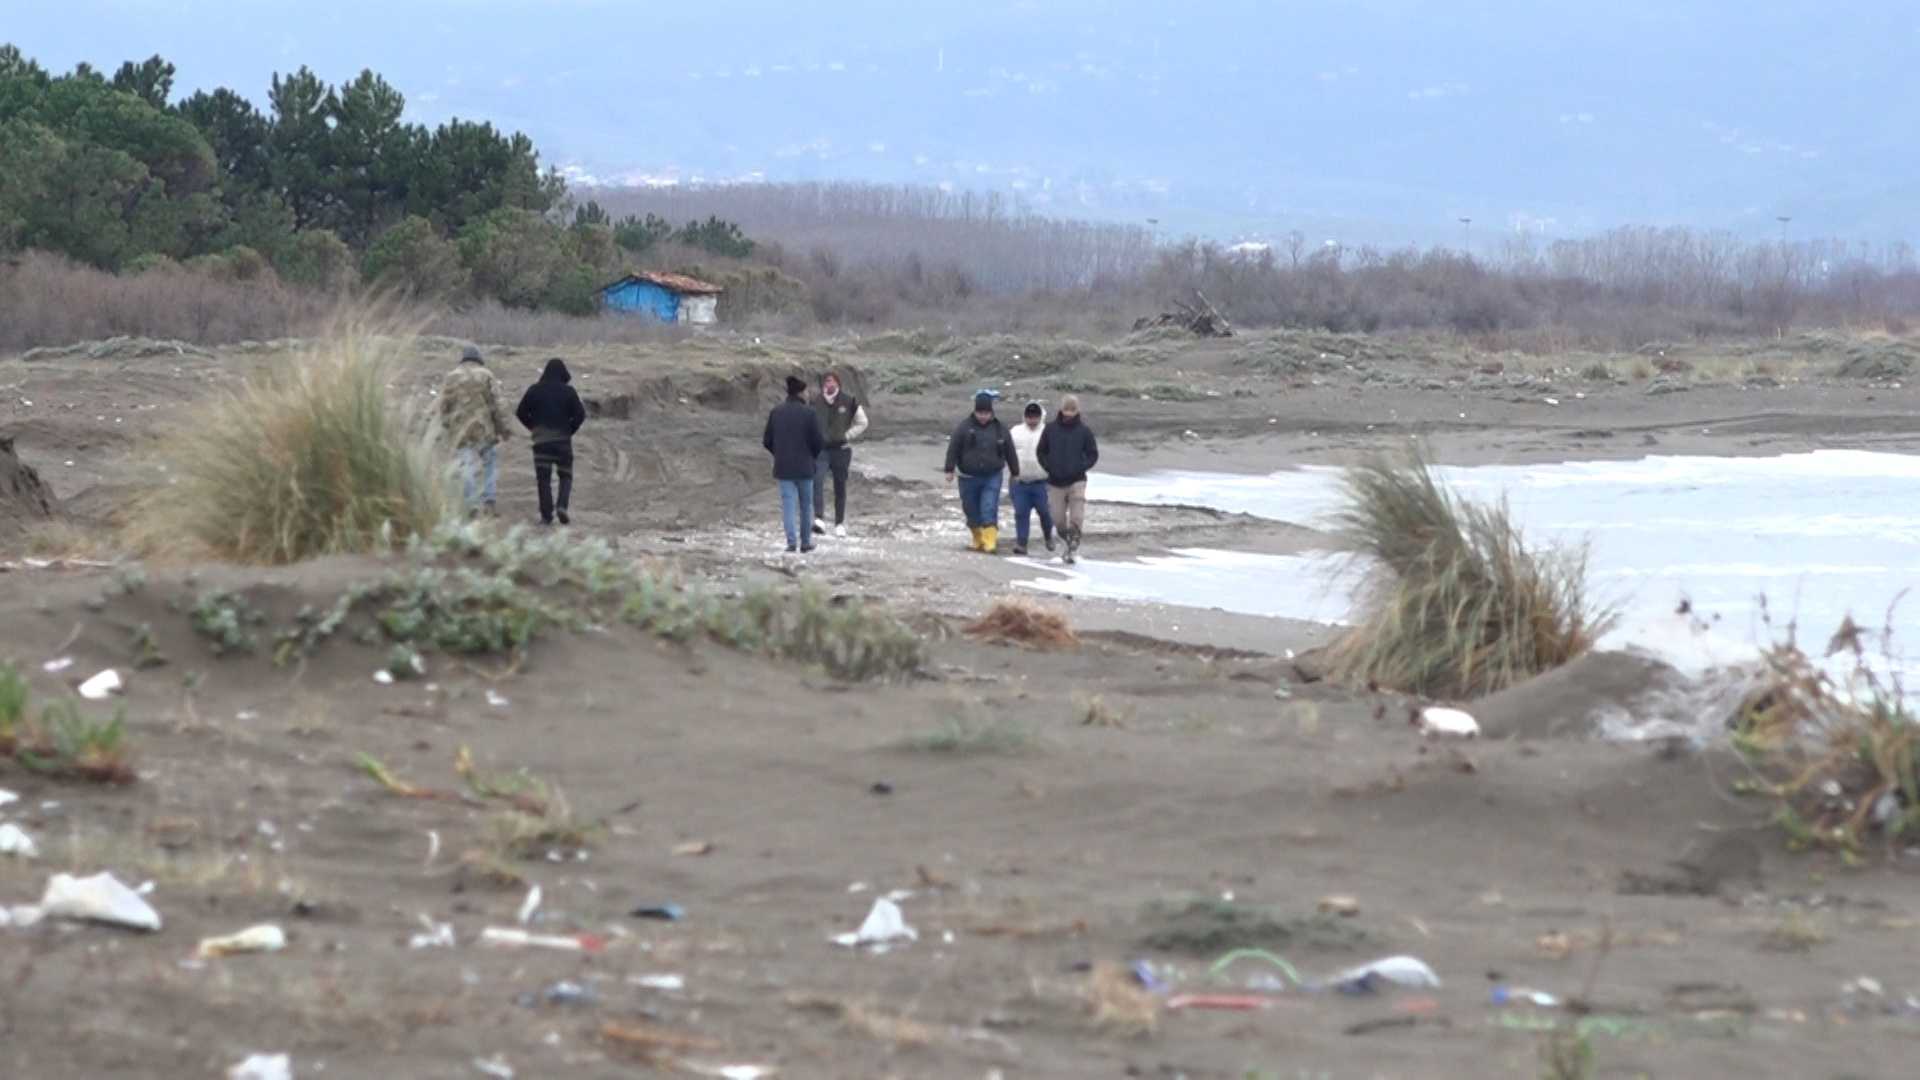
column 517, row 834
column 145, row 646
column 68, row 745
column 61, row 742
column 974, row 728
column 1211, row 926
column 310, row 716
column 1567, row 1054
column 226, row 620
column 13, row 706
column 463, row 611
column 131, row 577
column 1795, row 930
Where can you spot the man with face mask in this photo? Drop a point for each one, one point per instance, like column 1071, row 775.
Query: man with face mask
column 1068, row 451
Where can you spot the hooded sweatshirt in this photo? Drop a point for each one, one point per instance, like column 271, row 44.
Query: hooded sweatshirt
column 550, row 409
column 1026, row 443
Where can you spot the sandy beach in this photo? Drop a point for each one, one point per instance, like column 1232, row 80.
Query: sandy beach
column 1224, row 798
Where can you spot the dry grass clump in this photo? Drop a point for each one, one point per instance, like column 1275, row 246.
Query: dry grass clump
column 1466, row 607
column 1023, row 622
column 1095, row 711
column 1117, row 1004
column 1839, row 755
column 314, row 455
column 1795, row 930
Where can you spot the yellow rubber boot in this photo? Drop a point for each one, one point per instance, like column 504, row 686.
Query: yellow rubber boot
column 975, row 531
column 990, row 540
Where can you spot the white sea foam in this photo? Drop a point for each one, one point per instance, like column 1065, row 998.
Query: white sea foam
column 1821, row 535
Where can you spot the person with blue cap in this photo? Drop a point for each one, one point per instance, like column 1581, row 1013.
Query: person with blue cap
column 979, row 452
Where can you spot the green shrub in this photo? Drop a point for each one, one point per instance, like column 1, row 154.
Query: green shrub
column 413, row 259
column 1466, row 607
column 314, row 456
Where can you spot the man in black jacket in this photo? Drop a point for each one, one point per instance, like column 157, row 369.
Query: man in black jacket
column 551, row 412
column 979, row 451
column 795, row 437
column 1068, row 451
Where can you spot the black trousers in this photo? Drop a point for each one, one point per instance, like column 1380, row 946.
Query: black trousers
column 837, row 460
column 549, row 458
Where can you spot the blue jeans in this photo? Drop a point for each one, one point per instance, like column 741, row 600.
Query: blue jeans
column 796, row 512
column 1028, row 496
column 479, row 473
column 980, row 500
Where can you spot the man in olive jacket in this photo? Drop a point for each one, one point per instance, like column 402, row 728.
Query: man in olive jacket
column 1067, row 452
column 979, row 451
column 476, row 424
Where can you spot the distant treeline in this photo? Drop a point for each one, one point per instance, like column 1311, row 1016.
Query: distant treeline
column 326, row 188
column 251, row 220
column 874, row 255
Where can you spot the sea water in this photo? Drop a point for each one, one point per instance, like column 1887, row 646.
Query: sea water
column 1750, row 544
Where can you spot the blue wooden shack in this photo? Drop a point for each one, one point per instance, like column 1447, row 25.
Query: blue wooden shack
column 664, row 298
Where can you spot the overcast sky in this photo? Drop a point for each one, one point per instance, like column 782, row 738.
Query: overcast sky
column 1384, row 120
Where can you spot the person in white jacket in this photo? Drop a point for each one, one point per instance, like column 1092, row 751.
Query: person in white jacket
column 845, row 420
column 1029, row 489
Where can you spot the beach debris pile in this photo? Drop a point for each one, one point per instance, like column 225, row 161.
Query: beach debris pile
column 1201, row 321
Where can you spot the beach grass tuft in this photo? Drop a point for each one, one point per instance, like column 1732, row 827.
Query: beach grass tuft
column 1462, row 606
column 311, row 455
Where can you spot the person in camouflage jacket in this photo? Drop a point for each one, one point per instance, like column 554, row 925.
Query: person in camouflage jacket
column 475, row 421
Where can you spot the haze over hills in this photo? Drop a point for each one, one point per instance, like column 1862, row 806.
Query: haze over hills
column 1384, row 121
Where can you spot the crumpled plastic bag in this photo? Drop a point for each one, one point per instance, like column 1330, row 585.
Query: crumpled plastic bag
column 884, row 927
column 1399, row 970
column 100, row 898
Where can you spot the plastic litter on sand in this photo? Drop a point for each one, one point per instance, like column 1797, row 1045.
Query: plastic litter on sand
column 884, row 927
column 263, row 938
column 1451, row 723
column 14, row 841
column 102, row 686
column 1399, row 970
column 435, row 936
column 501, row 938
column 659, row 982
column 263, row 1067
column 100, row 898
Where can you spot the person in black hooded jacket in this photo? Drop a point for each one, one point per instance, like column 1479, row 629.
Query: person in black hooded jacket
column 551, row 411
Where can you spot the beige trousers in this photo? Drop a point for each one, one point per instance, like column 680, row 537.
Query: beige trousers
column 1068, row 506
